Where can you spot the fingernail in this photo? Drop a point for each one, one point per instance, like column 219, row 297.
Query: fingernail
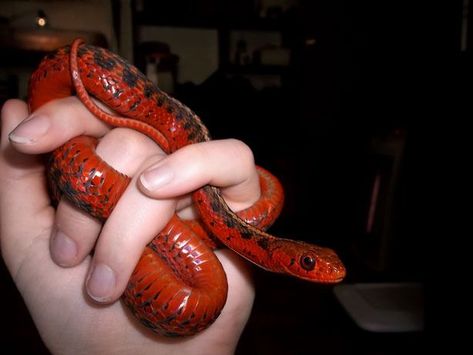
column 101, row 283
column 64, row 249
column 156, row 177
column 30, row 130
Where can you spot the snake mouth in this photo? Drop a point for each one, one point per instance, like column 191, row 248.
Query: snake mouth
column 321, row 280
column 334, row 281
column 330, row 281
column 336, row 277
column 341, row 275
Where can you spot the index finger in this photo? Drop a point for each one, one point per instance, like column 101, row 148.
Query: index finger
column 53, row 124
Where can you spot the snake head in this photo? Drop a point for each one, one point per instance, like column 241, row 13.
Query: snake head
column 309, row 262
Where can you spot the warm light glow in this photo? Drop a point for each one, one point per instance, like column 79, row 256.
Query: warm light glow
column 41, row 19
column 41, row 22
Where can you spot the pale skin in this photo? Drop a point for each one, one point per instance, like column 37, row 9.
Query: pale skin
column 48, row 252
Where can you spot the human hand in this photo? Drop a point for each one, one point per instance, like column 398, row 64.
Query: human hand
column 48, row 252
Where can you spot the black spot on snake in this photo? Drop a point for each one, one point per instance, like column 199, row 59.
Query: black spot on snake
column 104, row 61
column 263, row 243
column 129, row 77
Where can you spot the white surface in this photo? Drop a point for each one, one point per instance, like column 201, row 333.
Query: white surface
column 384, row 307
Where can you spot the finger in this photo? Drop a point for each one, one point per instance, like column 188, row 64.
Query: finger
column 74, row 235
column 135, row 220
column 121, row 244
column 228, row 164
column 76, row 231
column 22, row 193
column 53, row 124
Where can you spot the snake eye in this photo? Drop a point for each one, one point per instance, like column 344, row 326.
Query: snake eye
column 308, row 262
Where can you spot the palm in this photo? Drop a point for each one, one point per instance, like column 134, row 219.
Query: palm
column 67, row 319
column 56, row 298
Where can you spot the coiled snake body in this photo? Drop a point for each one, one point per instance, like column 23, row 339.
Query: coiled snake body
column 178, row 286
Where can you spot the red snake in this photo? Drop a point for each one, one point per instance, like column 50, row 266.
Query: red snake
column 178, row 286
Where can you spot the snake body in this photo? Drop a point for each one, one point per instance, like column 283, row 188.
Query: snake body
column 178, row 287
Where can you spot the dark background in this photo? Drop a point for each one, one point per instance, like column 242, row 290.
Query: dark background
column 374, row 75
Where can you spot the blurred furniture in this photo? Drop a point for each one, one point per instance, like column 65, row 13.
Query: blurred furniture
column 158, row 64
column 249, row 42
column 384, row 307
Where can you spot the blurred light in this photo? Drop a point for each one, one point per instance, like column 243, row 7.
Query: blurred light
column 41, row 19
column 310, row 41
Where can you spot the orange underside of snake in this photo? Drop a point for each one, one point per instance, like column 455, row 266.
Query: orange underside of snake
column 178, row 286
